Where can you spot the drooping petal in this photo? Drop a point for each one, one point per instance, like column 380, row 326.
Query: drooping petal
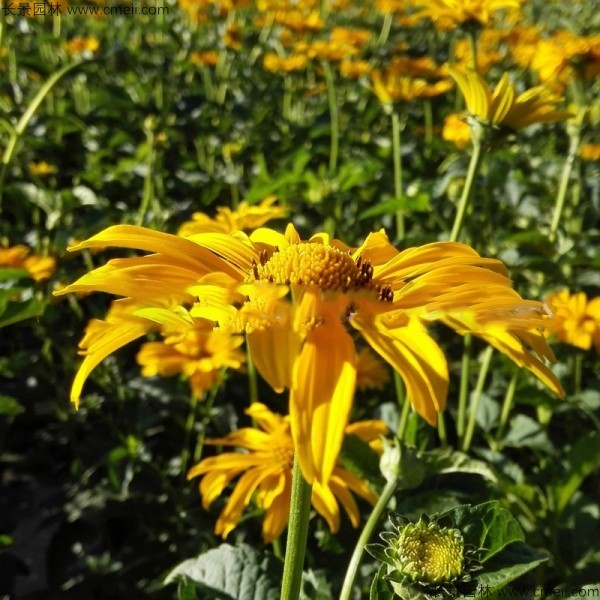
column 326, row 505
column 321, row 398
column 416, row 357
column 277, row 513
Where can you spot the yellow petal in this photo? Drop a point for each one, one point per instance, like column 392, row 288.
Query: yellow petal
column 321, row 399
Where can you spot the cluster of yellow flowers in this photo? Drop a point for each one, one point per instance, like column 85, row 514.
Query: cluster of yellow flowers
column 20, row 257
column 296, row 303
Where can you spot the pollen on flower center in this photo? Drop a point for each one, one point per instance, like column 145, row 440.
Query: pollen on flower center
column 323, row 266
column 283, row 447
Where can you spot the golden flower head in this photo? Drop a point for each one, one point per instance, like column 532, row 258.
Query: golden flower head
column 284, row 64
column 265, row 467
column 195, row 350
column 503, row 107
column 456, row 130
column 590, row 152
column 80, row 45
column 449, row 14
column 41, row 169
column 20, row 257
column 244, row 218
column 208, row 57
column 575, row 319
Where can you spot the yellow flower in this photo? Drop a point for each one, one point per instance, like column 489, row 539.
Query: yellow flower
column 371, row 372
column 394, row 86
column 297, row 301
column 449, row 14
column 209, row 58
column 195, row 350
column 353, row 69
column 284, row 64
column 503, row 107
column 19, row 257
column 590, row 151
column 41, row 169
column 232, row 37
column 456, row 130
column 266, row 474
column 244, row 218
column 79, row 45
column 575, row 319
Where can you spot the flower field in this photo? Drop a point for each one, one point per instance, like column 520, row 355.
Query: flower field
column 299, row 299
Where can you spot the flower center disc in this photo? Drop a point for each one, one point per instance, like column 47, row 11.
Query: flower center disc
column 323, row 266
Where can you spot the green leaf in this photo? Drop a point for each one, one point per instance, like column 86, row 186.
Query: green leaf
column 512, row 562
column 10, row 407
column 380, row 589
column 582, row 459
column 232, row 573
column 446, row 460
column 487, row 525
column 358, row 457
column 10, row 274
column 16, row 311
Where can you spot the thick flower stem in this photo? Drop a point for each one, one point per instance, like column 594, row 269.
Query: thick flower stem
column 487, row 359
column 364, row 538
column 396, row 143
column 467, row 192
column 295, row 548
column 506, row 407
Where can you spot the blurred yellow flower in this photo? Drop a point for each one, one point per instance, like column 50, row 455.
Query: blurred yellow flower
column 503, row 107
column 208, row 57
column 394, row 85
column 244, row 218
column 297, row 300
column 41, row 169
column 449, row 14
column 284, row 64
column 194, row 350
column 575, row 319
column 371, row 372
column 353, row 69
column 265, row 467
column 20, row 257
column 590, row 152
column 456, row 130
column 232, row 37
column 79, row 45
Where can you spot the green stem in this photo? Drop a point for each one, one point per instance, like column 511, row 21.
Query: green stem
column 148, row 194
column 467, row 192
column 403, row 404
column 575, row 139
column 441, row 427
column 297, row 537
column 487, row 359
column 428, row 118
column 473, row 44
column 26, row 117
column 187, row 435
column 397, row 147
column 206, row 416
column 385, row 29
column 578, row 372
column 365, row 536
column 463, row 393
column 333, row 117
column 507, row 406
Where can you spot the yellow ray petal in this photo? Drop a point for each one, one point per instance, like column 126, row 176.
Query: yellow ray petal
column 321, row 399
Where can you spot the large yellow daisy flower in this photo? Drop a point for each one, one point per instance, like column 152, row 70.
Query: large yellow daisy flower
column 300, row 302
column 266, row 474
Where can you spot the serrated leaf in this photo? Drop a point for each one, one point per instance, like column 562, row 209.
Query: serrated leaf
column 581, row 460
column 380, row 589
column 508, row 565
column 232, row 573
column 487, row 525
